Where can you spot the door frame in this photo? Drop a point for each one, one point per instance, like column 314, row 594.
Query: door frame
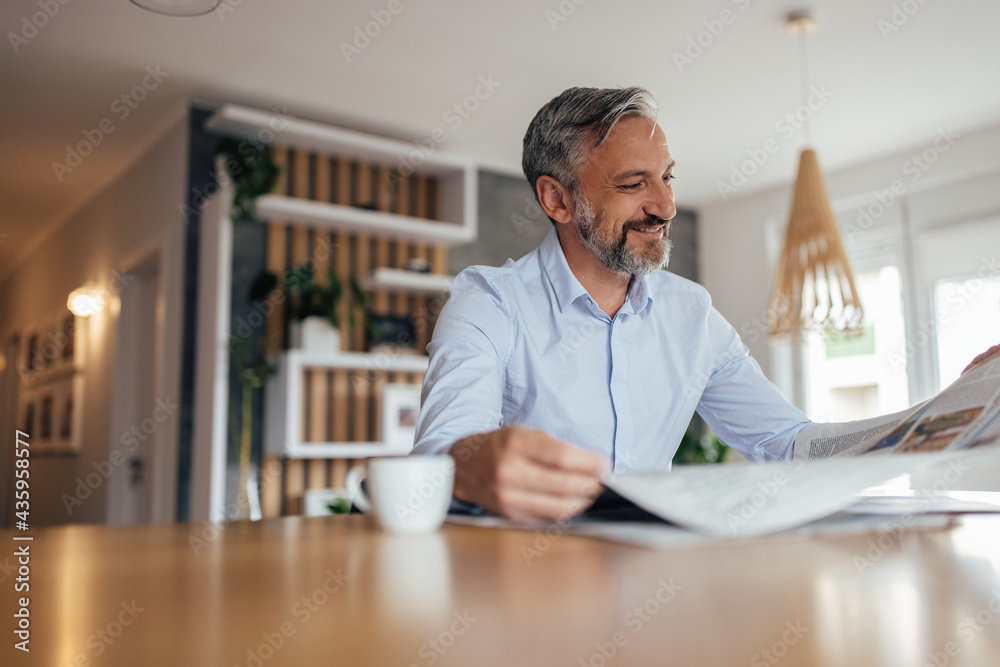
column 166, row 251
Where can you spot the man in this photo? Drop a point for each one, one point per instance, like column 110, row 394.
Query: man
column 583, row 353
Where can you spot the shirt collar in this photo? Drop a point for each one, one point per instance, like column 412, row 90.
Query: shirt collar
column 638, row 293
column 568, row 289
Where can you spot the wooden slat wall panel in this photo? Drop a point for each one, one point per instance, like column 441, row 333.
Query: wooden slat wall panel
column 338, row 475
column 295, row 471
column 362, row 266
column 320, row 256
column 439, row 254
column 362, row 197
column 270, row 488
column 343, row 250
column 341, row 381
column 321, row 250
column 342, row 405
column 401, row 306
column 380, row 300
column 320, row 394
column 421, row 333
column 378, row 385
column 276, row 256
column 271, row 485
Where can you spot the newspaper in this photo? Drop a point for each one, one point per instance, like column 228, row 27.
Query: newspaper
column 941, row 437
column 964, row 416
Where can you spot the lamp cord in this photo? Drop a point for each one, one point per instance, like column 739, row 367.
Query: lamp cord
column 804, row 86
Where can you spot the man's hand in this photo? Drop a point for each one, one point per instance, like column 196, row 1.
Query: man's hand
column 984, row 357
column 521, row 473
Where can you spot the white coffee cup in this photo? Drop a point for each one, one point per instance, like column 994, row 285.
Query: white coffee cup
column 408, row 494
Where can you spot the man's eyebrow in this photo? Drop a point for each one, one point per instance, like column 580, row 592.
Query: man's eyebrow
column 638, row 172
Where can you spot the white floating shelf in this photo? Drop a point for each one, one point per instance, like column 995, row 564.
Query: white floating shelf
column 364, row 221
column 342, row 450
column 403, row 363
column 283, row 402
column 278, row 127
column 457, row 177
column 406, row 281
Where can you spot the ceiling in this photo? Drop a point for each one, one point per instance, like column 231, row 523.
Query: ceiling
column 890, row 90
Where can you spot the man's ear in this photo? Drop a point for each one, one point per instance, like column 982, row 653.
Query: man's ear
column 555, row 199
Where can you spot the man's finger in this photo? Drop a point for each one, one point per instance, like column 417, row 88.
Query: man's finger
column 985, row 356
column 556, row 454
column 530, row 476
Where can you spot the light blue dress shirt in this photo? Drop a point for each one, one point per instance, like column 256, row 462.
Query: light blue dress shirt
column 525, row 344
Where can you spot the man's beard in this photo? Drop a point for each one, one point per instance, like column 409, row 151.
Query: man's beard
column 615, row 253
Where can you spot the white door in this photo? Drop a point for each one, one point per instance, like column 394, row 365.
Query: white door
column 138, row 414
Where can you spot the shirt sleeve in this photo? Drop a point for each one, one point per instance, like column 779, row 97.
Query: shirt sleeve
column 742, row 406
column 463, row 389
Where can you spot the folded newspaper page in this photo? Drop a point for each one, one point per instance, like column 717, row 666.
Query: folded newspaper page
column 965, row 415
column 749, row 500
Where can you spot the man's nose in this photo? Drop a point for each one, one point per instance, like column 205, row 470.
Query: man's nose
column 661, row 202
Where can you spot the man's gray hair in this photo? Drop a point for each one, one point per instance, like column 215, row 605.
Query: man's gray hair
column 575, row 122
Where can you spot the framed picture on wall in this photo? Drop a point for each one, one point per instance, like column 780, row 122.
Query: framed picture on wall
column 59, row 344
column 69, row 330
column 35, row 417
column 50, row 348
column 31, row 362
column 42, row 438
column 45, row 416
column 67, row 414
column 52, row 415
column 27, row 420
column 400, row 406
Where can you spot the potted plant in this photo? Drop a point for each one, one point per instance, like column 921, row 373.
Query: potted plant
column 253, row 171
column 704, row 448
column 313, row 306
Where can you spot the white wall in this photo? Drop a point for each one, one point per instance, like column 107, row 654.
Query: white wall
column 138, row 213
column 960, row 185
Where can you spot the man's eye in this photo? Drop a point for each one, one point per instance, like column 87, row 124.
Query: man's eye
column 669, row 177
column 630, row 186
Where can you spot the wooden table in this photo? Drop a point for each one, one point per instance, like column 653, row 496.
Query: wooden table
column 334, row 591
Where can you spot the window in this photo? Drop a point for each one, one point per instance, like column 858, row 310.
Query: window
column 931, row 293
column 969, row 311
column 856, row 377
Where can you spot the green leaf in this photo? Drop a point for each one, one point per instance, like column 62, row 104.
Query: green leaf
column 253, row 173
column 340, row 506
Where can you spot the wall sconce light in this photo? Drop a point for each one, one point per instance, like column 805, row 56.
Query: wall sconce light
column 85, row 301
column 177, row 7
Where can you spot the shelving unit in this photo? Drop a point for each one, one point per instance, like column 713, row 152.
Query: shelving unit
column 394, row 203
column 457, row 177
column 401, row 280
column 283, row 424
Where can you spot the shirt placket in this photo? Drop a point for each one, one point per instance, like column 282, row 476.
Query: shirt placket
column 618, row 382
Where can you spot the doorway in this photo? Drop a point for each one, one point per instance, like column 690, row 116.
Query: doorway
column 138, row 414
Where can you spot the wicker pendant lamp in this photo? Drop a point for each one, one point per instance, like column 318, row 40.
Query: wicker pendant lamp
column 814, row 286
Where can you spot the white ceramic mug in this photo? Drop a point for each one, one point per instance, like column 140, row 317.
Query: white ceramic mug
column 408, row 494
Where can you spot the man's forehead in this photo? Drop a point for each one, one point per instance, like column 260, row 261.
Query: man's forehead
column 639, row 129
column 631, row 139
